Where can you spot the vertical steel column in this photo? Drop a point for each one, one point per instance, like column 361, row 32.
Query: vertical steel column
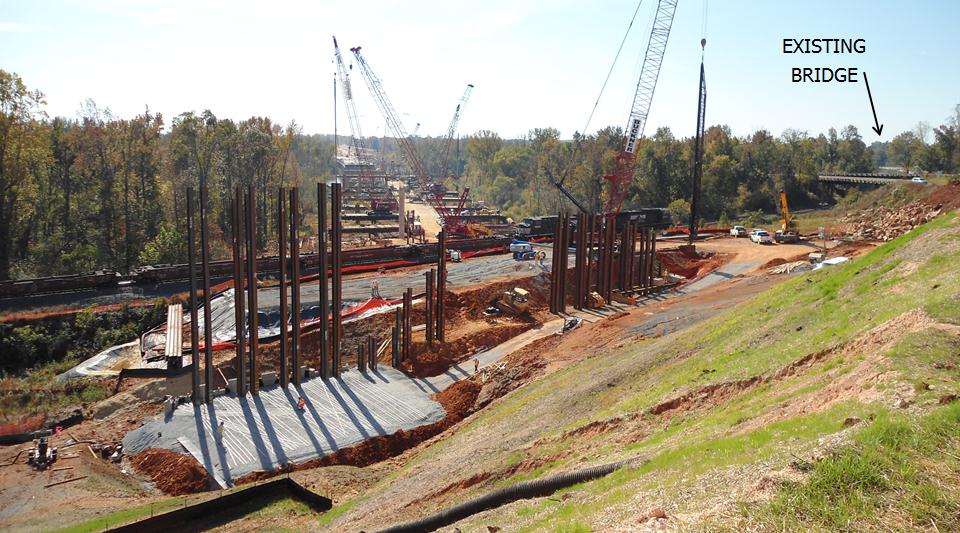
column 294, row 279
column 430, row 275
column 564, row 261
column 653, row 254
column 601, row 255
column 554, row 266
column 372, row 352
column 642, row 271
column 582, row 250
column 361, row 358
column 323, row 333
column 441, row 282
column 252, row 308
column 207, row 322
column 625, row 261
column 239, row 293
column 591, row 222
column 407, row 323
column 397, row 328
column 337, row 291
column 284, row 318
column 611, row 240
column 194, row 326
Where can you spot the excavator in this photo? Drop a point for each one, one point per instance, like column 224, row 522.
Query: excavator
column 787, row 233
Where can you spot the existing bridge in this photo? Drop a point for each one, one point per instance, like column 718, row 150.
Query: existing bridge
column 874, row 179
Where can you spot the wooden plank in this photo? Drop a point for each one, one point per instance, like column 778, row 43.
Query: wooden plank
column 48, row 485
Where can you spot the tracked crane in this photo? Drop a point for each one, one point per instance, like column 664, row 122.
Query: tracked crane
column 622, row 174
column 450, row 218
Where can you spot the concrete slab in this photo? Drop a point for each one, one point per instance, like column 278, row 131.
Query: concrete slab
column 266, row 431
column 724, row 273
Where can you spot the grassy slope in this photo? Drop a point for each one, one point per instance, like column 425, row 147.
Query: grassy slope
column 700, row 464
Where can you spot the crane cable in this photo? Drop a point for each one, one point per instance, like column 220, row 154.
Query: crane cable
column 614, row 64
column 616, row 57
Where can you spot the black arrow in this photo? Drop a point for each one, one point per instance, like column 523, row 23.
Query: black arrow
column 878, row 127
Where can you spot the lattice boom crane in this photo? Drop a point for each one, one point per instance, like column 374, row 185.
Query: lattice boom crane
column 622, row 175
column 347, row 90
column 391, row 116
column 452, row 130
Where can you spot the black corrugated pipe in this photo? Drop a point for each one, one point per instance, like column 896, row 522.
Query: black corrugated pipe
column 520, row 491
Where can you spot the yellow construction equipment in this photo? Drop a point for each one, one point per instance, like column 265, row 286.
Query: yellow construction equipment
column 515, row 301
column 788, row 226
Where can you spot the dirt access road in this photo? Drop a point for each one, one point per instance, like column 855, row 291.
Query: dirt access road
column 428, row 218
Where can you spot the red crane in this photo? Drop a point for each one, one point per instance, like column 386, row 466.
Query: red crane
column 450, row 218
column 622, row 174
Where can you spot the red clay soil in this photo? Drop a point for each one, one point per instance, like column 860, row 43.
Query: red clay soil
column 458, row 400
column 173, row 473
column 947, row 196
column 433, row 362
column 471, row 303
column 689, row 264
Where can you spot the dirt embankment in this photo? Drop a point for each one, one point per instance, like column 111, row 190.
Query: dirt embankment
column 689, row 263
column 432, row 361
column 173, row 473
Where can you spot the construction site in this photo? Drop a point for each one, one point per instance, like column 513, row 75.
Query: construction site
column 406, row 357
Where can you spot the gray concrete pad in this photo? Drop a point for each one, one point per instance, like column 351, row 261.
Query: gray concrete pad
column 724, row 273
column 266, row 431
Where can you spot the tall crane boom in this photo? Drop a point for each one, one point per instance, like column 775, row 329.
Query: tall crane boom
column 452, row 129
column 344, row 75
column 622, row 175
column 391, row 116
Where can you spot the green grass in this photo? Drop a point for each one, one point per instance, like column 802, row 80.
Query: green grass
column 895, row 476
column 132, row 514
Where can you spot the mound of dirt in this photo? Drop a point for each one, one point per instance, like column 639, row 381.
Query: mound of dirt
column 171, row 472
column 947, row 196
column 471, row 302
column 433, row 362
column 688, row 263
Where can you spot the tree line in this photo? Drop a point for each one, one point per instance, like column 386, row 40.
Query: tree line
column 741, row 174
column 104, row 192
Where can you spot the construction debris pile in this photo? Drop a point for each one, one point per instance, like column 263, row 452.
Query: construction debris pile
column 885, row 224
column 788, row 268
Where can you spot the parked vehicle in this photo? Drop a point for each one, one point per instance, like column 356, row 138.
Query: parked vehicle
column 738, row 231
column 761, row 237
column 918, row 179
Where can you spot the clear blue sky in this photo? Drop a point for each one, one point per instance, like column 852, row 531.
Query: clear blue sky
column 534, row 63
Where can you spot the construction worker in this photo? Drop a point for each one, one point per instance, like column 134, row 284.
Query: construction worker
column 375, row 290
column 220, row 428
column 301, row 404
column 476, row 365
